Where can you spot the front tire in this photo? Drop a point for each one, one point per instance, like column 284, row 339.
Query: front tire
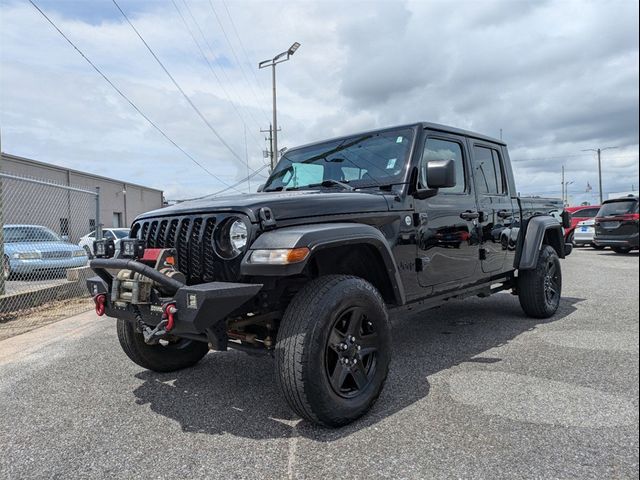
column 175, row 355
column 6, row 268
column 333, row 350
column 540, row 289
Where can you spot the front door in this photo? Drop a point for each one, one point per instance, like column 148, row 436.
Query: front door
column 494, row 204
column 447, row 246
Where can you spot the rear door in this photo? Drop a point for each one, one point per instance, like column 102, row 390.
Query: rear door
column 446, row 241
column 494, row 204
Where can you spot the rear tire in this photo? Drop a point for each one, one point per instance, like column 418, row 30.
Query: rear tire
column 571, row 238
column 320, row 370
column 623, row 250
column 597, row 247
column 540, row 289
column 174, row 356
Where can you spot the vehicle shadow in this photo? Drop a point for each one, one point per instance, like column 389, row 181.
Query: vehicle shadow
column 610, row 253
column 235, row 393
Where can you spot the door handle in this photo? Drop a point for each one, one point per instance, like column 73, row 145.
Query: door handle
column 503, row 213
column 469, row 215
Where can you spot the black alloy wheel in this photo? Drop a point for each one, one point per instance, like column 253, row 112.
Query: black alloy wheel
column 552, row 281
column 351, row 353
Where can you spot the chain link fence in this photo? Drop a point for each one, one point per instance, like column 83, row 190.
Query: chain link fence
column 45, row 244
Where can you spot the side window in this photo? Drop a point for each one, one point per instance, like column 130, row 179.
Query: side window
column 487, row 171
column 437, row 149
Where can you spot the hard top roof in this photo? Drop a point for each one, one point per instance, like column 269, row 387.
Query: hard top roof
column 425, row 125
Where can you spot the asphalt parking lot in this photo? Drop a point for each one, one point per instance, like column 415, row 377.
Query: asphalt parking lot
column 476, row 390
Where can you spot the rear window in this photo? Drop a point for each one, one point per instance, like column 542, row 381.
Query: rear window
column 622, row 207
column 585, row 213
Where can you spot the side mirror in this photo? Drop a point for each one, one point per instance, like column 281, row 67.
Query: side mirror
column 65, row 238
column 440, row 174
column 260, row 187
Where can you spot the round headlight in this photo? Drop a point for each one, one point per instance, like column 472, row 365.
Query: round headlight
column 238, row 236
column 232, row 238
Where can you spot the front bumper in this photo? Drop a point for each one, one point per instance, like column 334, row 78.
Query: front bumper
column 29, row 266
column 200, row 308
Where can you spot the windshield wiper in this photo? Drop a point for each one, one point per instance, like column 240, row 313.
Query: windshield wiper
column 332, row 183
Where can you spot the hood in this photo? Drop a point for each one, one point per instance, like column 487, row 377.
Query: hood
column 22, row 247
column 284, row 205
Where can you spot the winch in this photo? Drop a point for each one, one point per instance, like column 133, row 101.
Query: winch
column 134, row 288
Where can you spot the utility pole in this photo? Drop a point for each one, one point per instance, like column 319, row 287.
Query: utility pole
column 599, row 152
column 562, row 186
column 281, row 57
column 246, row 157
column 270, row 152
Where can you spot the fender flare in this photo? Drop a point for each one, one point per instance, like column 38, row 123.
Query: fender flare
column 320, row 236
column 530, row 244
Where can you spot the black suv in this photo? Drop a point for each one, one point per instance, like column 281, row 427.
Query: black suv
column 306, row 271
column 617, row 224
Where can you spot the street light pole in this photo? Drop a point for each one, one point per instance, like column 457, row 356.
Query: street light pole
column 599, row 152
column 281, row 57
column 274, row 148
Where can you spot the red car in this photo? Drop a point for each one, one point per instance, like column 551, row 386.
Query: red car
column 579, row 214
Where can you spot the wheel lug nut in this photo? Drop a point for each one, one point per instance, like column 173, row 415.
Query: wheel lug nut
column 358, row 347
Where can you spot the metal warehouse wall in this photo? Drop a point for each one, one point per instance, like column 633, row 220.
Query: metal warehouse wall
column 118, row 199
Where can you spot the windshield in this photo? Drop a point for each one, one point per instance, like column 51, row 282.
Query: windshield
column 121, row 233
column 373, row 159
column 29, row 234
column 618, row 208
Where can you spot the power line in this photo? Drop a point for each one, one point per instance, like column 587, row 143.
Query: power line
column 239, row 182
column 233, row 51
column 222, row 69
column 213, row 72
column 177, row 85
column 130, row 102
column 244, row 50
column 253, row 174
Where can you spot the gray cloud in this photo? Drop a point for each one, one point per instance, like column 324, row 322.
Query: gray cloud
column 556, row 76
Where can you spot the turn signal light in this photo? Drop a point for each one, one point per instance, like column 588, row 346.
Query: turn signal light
column 279, row 256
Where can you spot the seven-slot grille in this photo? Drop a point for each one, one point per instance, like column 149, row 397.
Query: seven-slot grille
column 193, row 238
column 58, row 254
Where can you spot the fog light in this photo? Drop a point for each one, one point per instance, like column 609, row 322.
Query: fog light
column 131, row 248
column 105, row 248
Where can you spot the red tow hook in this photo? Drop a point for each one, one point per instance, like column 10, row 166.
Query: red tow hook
column 100, row 301
column 169, row 311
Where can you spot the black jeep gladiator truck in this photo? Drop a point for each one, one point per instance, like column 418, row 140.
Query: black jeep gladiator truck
column 308, row 269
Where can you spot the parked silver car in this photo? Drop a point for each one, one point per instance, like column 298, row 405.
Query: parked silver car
column 30, row 249
column 584, row 232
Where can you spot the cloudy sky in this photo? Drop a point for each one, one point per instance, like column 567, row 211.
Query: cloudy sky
column 557, row 77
